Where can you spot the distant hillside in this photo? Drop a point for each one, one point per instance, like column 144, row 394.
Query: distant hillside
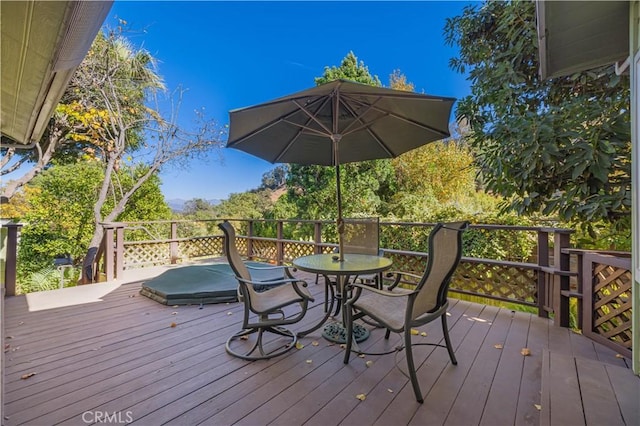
column 177, row 204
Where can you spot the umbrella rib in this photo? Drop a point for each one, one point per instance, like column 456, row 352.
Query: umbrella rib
column 399, row 117
column 302, row 127
column 366, row 127
column 273, row 123
column 313, row 117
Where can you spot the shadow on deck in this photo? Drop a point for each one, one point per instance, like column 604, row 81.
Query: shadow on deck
column 119, row 356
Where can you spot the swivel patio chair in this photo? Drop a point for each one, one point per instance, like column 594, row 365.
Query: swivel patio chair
column 399, row 310
column 264, row 307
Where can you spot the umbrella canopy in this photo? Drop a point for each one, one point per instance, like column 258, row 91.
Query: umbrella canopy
column 339, row 122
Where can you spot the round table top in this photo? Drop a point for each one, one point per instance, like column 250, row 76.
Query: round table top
column 353, row 264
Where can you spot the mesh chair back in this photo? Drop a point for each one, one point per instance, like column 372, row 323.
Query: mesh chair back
column 445, row 251
column 362, row 235
column 235, row 261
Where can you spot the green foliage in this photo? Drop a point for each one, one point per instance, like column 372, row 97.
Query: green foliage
column 558, row 146
column 274, row 178
column 436, row 175
column 85, row 118
column 59, row 219
column 245, row 205
column 349, row 69
column 147, row 202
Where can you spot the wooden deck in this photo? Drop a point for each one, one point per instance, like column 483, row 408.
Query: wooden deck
column 118, row 359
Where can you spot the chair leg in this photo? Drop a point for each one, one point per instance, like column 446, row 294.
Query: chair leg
column 256, row 349
column 349, row 333
column 445, row 331
column 411, row 366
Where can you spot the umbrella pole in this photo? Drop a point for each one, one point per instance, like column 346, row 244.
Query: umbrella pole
column 335, row 138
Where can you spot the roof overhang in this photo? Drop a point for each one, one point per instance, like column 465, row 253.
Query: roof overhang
column 43, row 42
column 575, row 36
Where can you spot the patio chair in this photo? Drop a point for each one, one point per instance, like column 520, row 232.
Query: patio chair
column 361, row 236
column 399, row 310
column 264, row 309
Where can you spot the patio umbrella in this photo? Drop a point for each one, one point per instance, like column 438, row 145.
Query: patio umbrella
column 339, row 122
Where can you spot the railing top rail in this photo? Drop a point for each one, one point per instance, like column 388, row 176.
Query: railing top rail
column 309, row 221
column 571, row 250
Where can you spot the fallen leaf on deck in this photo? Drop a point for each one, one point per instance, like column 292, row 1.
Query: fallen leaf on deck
column 538, row 406
column 414, row 332
column 619, row 356
column 390, row 390
column 299, row 345
column 315, row 343
column 174, row 306
column 132, row 295
column 576, row 331
column 361, row 396
column 423, row 334
column 229, row 313
column 173, row 325
column 525, row 351
column 309, row 361
column 26, row 376
column 368, row 363
column 360, row 355
column 174, row 313
column 343, row 346
column 9, row 337
column 245, row 337
column 498, row 346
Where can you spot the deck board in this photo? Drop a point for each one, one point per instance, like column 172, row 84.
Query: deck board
column 120, row 355
column 501, row 403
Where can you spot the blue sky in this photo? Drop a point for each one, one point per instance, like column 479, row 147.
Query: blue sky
column 235, row 54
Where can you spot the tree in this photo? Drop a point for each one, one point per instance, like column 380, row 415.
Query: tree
column 274, row 178
column 111, row 114
column 247, row 205
column 59, row 215
column 556, row 146
column 349, row 69
column 398, row 81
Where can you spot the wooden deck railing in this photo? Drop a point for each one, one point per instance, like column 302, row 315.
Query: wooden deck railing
column 602, row 291
column 554, row 279
column 535, row 283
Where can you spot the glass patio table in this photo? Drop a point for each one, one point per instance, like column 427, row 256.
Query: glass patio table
column 352, row 266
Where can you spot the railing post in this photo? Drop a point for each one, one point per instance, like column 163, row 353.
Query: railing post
column 543, row 261
column 579, row 290
column 119, row 266
column 173, row 245
column 109, row 258
column 280, row 243
column 11, row 259
column 250, row 240
column 561, row 261
column 317, row 237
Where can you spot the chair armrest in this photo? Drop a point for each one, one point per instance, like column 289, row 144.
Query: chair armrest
column 386, row 293
column 274, row 282
column 285, row 269
column 399, row 275
column 266, row 268
column 383, row 292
